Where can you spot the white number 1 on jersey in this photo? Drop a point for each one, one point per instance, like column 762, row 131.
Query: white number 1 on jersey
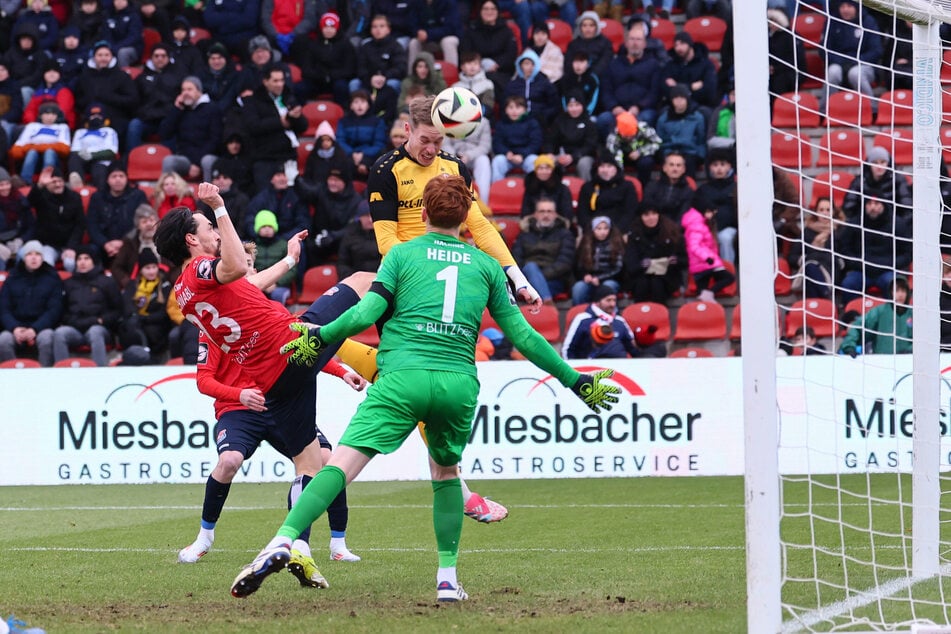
column 449, row 275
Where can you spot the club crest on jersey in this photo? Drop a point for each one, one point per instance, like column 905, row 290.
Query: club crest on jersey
column 202, row 353
column 205, row 270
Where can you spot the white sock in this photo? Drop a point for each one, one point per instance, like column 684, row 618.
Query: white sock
column 302, row 546
column 466, row 493
column 447, row 574
column 206, row 535
column 278, row 541
column 338, row 543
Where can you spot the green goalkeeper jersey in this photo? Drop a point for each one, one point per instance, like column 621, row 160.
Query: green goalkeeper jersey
column 441, row 286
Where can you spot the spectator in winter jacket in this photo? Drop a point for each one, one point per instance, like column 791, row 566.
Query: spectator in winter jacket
column 94, row 147
column 545, row 181
column 474, row 152
column 292, row 214
column 220, row 80
column 11, row 101
column 337, row 204
column 358, row 249
column 436, row 27
column 145, row 320
column 472, row 76
column 551, row 61
column 31, row 303
column 654, row 258
column 541, row 98
column 490, row 36
column 235, row 160
column 158, row 87
column 573, row 138
column 720, row 191
column 682, row 130
column 70, row 56
column 422, row 73
column 60, row 219
column 91, row 312
column 38, row 14
column 671, row 193
column 580, row 80
column 853, row 47
column 381, row 59
column 690, row 66
column 17, row 224
column 172, row 191
column 104, row 82
column 51, row 88
column 786, row 54
column 188, row 58
column 589, row 39
column 721, row 128
column 87, row 17
column 609, row 194
column 233, row 23
column 288, row 23
column 122, row 28
column 192, row 125
column 328, row 63
column 601, row 333
column 270, row 249
column 261, row 57
column 236, row 201
column 360, row 134
column 634, row 143
column 599, row 260
column 545, row 250
column 24, row 59
column 884, row 329
column 141, row 238
column 517, row 139
column 111, row 212
column 631, row 81
column 327, row 155
column 705, row 265
column 873, row 247
column 878, row 180
column 46, row 141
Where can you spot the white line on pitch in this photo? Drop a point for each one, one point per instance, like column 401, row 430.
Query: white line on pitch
column 193, row 507
column 640, row 549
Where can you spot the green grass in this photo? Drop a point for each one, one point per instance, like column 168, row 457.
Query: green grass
column 605, row 555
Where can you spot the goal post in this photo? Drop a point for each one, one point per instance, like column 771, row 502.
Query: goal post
column 848, row 523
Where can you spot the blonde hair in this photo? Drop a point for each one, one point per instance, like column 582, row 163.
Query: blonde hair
column 420, row 111
column 181, row 187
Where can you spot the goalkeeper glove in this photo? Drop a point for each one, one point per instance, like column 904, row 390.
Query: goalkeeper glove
column 596, row 394
column 306, row 347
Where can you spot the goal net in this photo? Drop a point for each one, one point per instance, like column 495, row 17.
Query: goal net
column 847, row 413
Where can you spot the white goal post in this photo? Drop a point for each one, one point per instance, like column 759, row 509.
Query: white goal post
column 845, row 531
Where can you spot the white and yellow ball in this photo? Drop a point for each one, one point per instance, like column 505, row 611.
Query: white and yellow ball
column 457, row 112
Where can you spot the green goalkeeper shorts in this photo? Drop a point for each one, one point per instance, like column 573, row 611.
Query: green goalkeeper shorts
column 398, row 400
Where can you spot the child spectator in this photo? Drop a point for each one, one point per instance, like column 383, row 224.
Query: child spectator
column 172, row 191
column 94, row 147
column 38, row 14
column 884, row 329
column 11, row 101
column 682, row 129
column 634, row 143
column 52, row 89
column 541, row 98
column 545, row 250
column 145, row 320
column 545, row 180
column 599, row 260
column 578, row 79
column 71, row 56
column 472, row 76
column 474, row 151
column 517, row 139
column 328, row 63
column 803, row 341
column 704, row 261
column 720, row 191
column 424, row 74
column 360, row 134
column 654, row 257
column 271, row 249
column 17, row 224
column 327, row 155
column 573, row 138
column 188, row 59
column 48, row 139
column 609, row 194
column 551, row 59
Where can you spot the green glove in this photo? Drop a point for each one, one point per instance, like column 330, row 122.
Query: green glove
column 306, row 347
column 594, row 393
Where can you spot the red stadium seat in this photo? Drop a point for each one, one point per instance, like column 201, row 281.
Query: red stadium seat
column 573, row 312
column 75, row 362
column 707, row 29
column 841, row 147
column 848, row 108
column 946, row 144
column 85, row 192
column 614, row 31
column 450, row 72
column 645, row 314
column 664, row 30
column 796, row 110
column 728, row 291
column 782, row 283
column 899, row 145
column 700, row 321
column 559, row 32
column 811, row 28
column 790, row 150
column 815, row 312
column 509, row 228
column 573, row 183
column 303, row 151
column 145, row 162
column 637, row 186
column 296, row 74
column 896, row 108
column 150, row 37
column 736, row 325
column 546, row 322
column 317, row 280
column 321, row 110
column 833, row 185
column 196, row 34
column 815, row 71
column 690, row 353
column 20, row 364
column 861, row 305
column 517, row 33
column 506, row 195
column 132, row 71
column 369, row 337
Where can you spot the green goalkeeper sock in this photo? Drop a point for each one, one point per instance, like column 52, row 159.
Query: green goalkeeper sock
column 447, row 520
column 313, row 501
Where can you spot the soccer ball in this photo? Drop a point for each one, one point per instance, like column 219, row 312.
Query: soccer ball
column 457, row 112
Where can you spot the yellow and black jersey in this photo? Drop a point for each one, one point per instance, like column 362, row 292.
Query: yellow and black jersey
column 395, row 189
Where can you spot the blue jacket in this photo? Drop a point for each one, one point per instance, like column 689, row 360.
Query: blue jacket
column 47, row 27
column 699, row 68
column 523, row 137
column 123, row 29
column 365, row 134
column 292, row 214
column 540, row 94
column 195, row 131
column 31, row 299
column 625, row 83
column 232, row 19
column 439, row 19
column 580, row 345
column 111, row 217
column 685, row 133
column 846, row 41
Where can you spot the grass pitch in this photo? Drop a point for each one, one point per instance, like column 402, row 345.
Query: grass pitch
column 620, row 555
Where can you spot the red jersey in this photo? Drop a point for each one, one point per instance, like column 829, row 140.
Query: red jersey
column 219, row 378
column 237, row 318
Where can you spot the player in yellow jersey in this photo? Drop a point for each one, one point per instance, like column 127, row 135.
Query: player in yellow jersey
column 395, row 188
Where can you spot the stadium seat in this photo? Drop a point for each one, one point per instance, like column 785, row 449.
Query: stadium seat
column 861, row 305
column 517, row 32
column 690, row 353
column 899, row 145
column 811, row 28
column 646, row 314
column 700, row 321
column 573, row 183
column 664, row 30
column 175, row 361
column 736, row 326
column 303, row 151
column 546, row 322
column 707, row 29
column 728, row 291
column 20, row 364
column 815, row 312
column 196, row 34
column 132, row 71
column 833, row 185
column 506, row 195
column 848, row 108
column 790, row 150
column 614, row 31
column 945, row 75
column 150, row 37
column 321, row 110
column 487, row 321
column 559, row 32
column 782, row 284
column 573, row 312
column 796, row 110
column 450, row 72
column 296, row 74
column 75, row 362
column 145, row 162
column 509, row 228
column 815, row 71
column 85, row 192
column 637, row 186
column 895, row 108
column 841, row 147
column 317, row 280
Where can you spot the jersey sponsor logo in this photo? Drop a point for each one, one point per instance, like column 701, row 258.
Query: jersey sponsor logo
column 376, row 197
column 202, row 353
column 410, row 204
column 407, row 182
column 205, row 270
column 221, row 436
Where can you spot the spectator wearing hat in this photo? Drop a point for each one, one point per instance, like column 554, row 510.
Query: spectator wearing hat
column 261, row 57
column 139, row 239
column 634, row 143
column 358, row 249
column 328, row 62
column 541, row 97
column 122, row 28
column 188, row 58
column 599, row 332
column 24, row 59
column 111, row 211
column 361, row 134
column 599, row 260
column 234, row 159
column 145, row 321
column 87, row 17
column 273, row 119
column 704, row 262
column 671, row 192
column 517, row 139
column 337, row 203
column 545, row 250
column 551, row 60
column 236, row 201
column 654, row 257
column 326, row 155
column 474, row 151
column 545, row 180
column 280, row 198
column 631, row 82
column 690, row 66
column 155, row 14
column 17, row 224
column 589, row 39
column 158, row 86
column 719, row 191
column 92, row 309
column 287, row 23
column 192, row 125
column 683, row 129
column 271, row 249
column 608, row 193
column 11, row 104
column 38, row 14
column 70, row 56
column 31, row 304
column 423, row 74
column 381, row 59
column 853, row 47
column 47, row 140
column 94, row 147
column 436, row 26
column 104, row 82
column 233, row 23
column 60, row 219
column 878, row 180
column 51, row 88
column 220, row 80
column 721, row 128
column 580, row 82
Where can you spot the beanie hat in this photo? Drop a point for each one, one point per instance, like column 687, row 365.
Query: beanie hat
column 101, row 44
column 878, row 153
column 50, row 63
column 601, row 291
column 363, row 209
column 604, row 156
column 86, row 249
column 35, row 246
column 258, row 41
column 330, row 19
column 325, row 129
column 265, row 218
column 626, row 124
column 679, row 90
column 115, row 166
column 217, row 49
column 4, row 175
column 181, row 22
column 545, row 159
column 683, row 36
column 599, row 219
column 147, row 256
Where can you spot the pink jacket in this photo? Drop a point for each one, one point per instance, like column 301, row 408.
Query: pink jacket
column 700, row 242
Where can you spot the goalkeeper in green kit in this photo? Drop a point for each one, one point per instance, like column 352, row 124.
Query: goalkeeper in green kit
column 436, row 287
